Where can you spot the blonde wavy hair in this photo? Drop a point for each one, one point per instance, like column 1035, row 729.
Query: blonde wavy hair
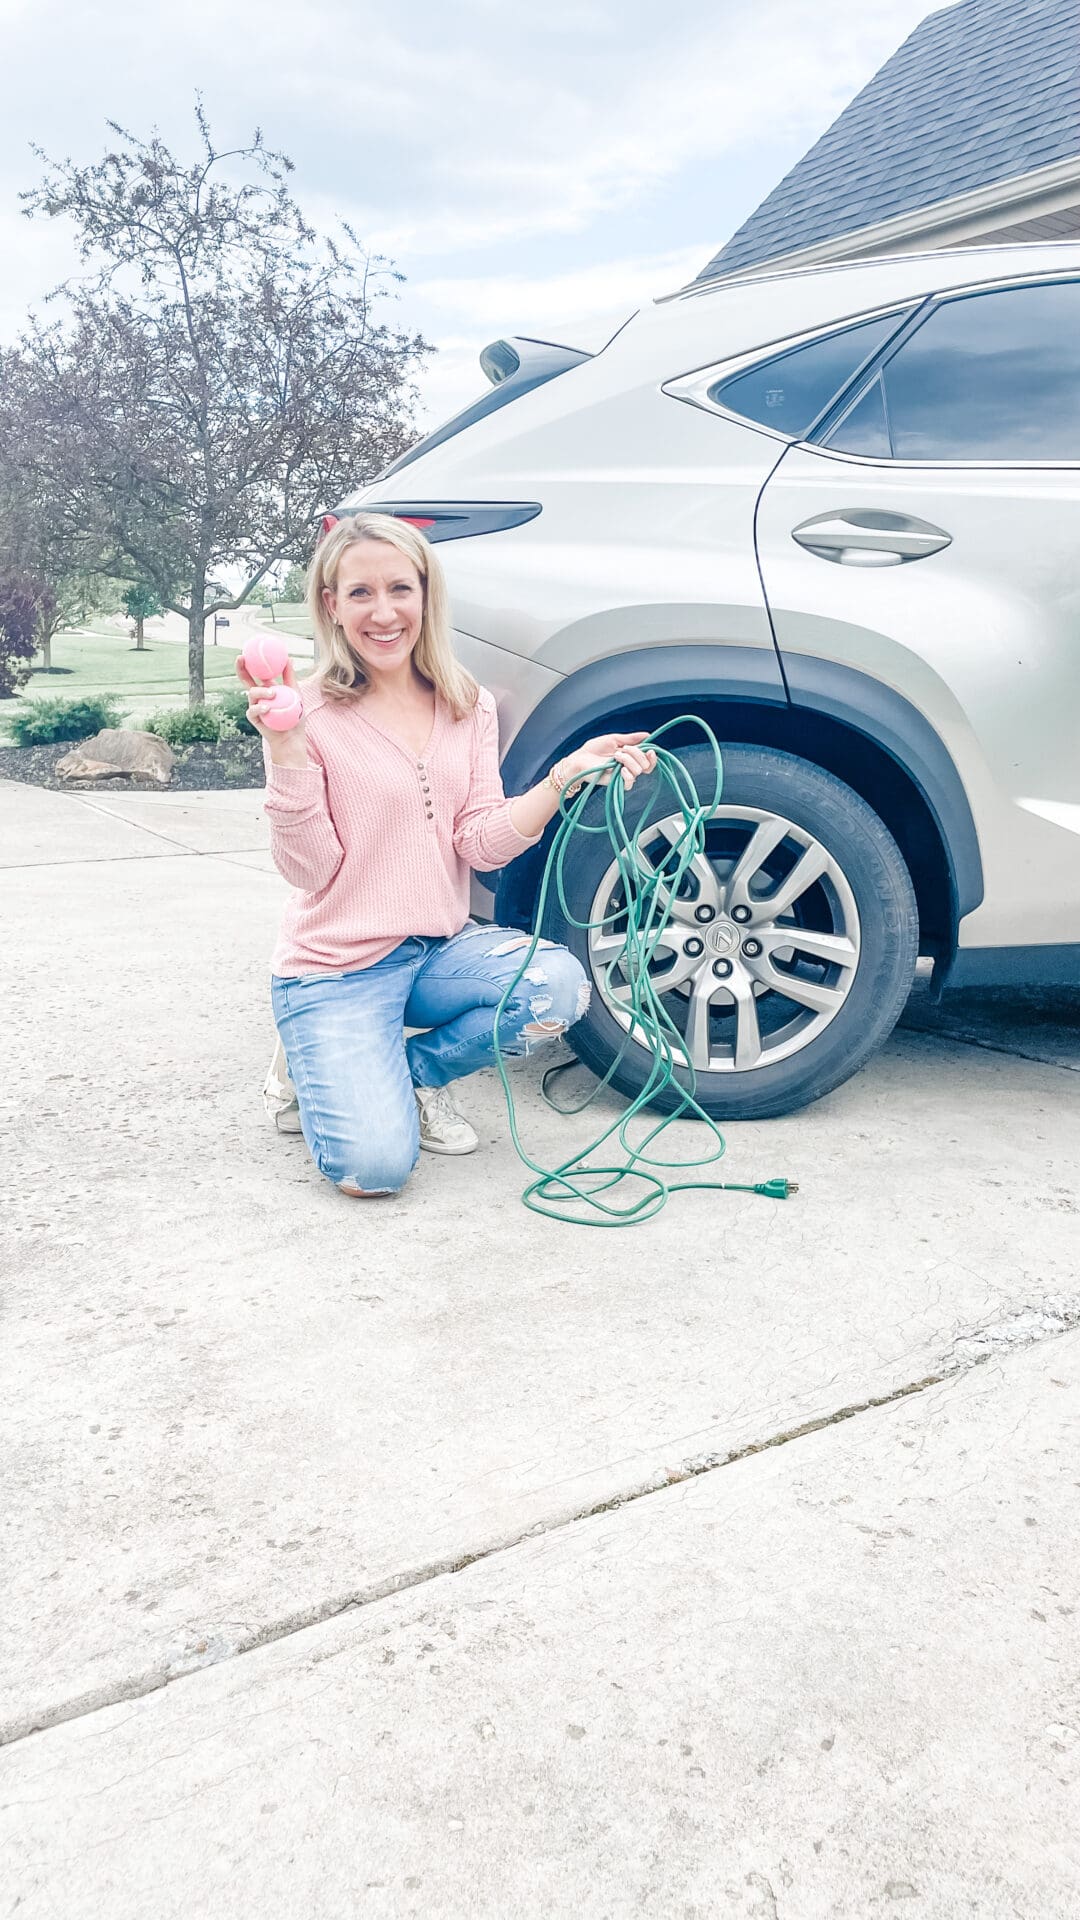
column 340, row 674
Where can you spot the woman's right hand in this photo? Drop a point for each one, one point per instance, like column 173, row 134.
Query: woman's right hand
column 288, row 749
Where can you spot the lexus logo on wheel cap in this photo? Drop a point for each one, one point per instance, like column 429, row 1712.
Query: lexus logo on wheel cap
column 722, row 938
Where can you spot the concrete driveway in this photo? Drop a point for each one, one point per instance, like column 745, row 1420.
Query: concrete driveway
column 433, row 1558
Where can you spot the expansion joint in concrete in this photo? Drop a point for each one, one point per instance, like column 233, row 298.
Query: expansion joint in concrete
column 131, row 859
column 972, row 1350
column 988, row 1046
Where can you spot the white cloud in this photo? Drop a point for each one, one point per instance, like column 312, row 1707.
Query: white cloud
column 581, row 308
column 451, row 135
column 452, row 380
column 552, row 148
column 518, row 303
column 37, row 256
column 442, row 128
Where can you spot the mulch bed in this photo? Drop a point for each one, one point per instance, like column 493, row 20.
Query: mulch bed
column 206, row 765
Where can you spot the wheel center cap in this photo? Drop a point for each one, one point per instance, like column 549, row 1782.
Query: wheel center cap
column 723, row 939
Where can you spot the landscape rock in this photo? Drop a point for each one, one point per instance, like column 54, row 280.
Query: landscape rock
column 119, row 753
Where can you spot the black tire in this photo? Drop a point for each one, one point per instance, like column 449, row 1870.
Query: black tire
column 880, row 981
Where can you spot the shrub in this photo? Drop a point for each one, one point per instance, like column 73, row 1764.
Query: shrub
column 183, row 726
column 42, row 722
column 238, row 771
column 235, row 705
column 221, row 719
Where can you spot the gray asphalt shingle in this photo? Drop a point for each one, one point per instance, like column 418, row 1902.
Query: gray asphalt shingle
column 978, row 93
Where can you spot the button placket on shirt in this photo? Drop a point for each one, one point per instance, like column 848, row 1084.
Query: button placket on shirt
column 426, row 791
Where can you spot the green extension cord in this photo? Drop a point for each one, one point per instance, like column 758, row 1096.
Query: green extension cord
column 577, row 1183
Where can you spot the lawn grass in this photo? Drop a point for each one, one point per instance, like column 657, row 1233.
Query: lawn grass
column 107, row 661
column 291, row 616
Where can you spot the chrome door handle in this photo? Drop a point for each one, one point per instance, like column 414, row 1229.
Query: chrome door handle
column 867, row 537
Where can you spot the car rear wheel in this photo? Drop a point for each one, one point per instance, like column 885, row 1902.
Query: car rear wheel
column 791, row 947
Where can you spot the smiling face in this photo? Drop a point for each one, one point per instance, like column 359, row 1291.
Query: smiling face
column 379, row 603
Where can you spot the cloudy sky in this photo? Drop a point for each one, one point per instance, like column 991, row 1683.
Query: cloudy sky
column 522, row 166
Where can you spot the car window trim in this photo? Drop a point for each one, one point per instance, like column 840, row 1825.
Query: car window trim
column 693, row 387
column 939, row 466
column 828, row 421
column 849, row 397
column 856, row 400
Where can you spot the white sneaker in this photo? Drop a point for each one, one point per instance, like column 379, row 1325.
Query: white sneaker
column 442, row 1128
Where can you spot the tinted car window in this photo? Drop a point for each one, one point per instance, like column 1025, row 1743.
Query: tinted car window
column 789, row 391
column 990, row 376
column 864, row 427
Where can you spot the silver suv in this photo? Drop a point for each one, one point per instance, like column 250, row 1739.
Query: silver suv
column 834, row 513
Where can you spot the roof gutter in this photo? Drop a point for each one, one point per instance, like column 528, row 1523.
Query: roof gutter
column 956, row 222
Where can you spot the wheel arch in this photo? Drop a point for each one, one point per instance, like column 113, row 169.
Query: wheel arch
column 845, row 721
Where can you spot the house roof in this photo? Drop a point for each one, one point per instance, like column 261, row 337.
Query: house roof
column 981, row 92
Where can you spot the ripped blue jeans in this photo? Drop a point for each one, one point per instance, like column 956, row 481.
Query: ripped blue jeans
column 353, row 1070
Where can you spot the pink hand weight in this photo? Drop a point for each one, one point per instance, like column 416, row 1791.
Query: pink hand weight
column 265, row 656
column 283, row 711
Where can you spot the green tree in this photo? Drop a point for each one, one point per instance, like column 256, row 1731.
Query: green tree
column 220, row 374
column 295, row 584
column 141, row 603
column 34, row 546
column 24, row 604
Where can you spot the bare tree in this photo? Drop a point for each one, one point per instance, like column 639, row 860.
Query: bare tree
column 218, row 375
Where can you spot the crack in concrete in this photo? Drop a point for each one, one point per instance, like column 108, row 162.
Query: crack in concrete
column 108, row 813
column 1022, row 1328
column 93, row 805
column 988, row 1046
column 125, row 859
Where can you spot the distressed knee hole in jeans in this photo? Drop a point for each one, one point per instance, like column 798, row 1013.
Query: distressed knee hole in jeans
column 515, row 945
column 539, row 1030
column 365, row 1193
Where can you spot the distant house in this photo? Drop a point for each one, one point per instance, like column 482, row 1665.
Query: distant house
column 969, row 134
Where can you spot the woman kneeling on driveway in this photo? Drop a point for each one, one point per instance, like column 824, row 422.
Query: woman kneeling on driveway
column 379, row 802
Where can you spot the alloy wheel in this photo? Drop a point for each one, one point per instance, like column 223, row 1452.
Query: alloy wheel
column 761, row 948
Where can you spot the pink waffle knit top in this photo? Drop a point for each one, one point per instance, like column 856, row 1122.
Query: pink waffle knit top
column 378, row 841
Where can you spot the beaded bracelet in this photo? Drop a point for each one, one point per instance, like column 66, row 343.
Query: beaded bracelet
column 556, row 779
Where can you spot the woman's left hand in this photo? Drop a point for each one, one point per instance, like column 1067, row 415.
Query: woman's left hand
column 624, row 747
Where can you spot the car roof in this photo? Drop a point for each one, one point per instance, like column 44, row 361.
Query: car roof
column 1038, row 257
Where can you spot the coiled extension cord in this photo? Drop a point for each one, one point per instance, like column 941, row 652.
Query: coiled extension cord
column 580, row 1191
